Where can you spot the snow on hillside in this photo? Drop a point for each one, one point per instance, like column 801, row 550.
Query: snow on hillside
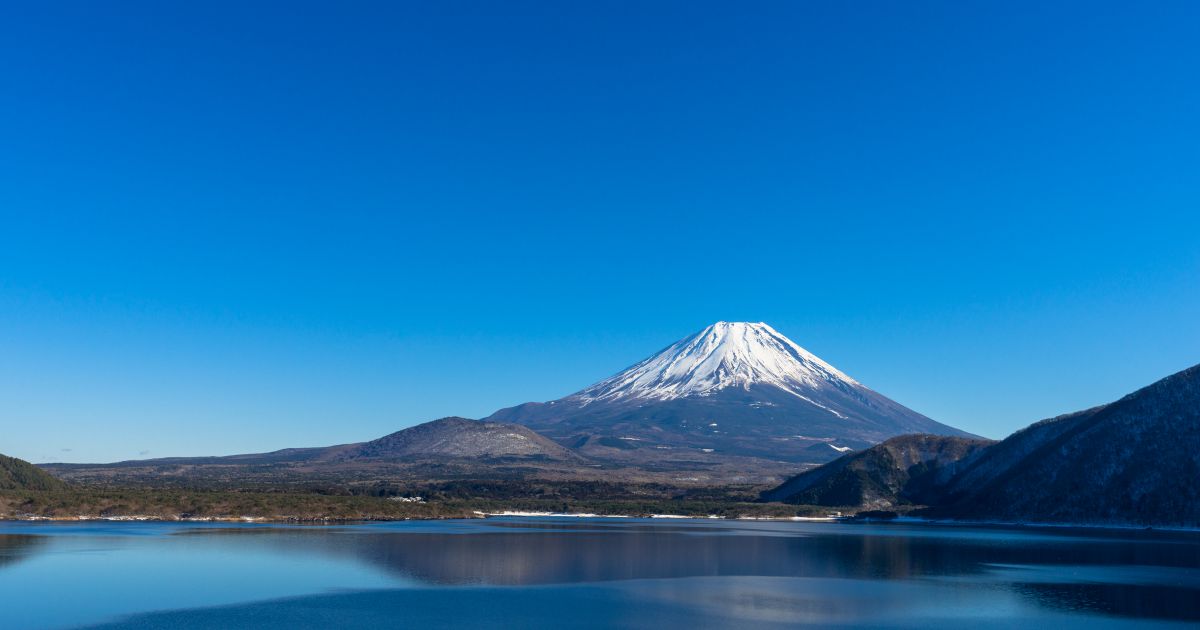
column 734, row 388
column 725, row 354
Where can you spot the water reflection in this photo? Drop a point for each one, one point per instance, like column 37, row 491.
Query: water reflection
column 569, row 557
column 751, row 572
column 17, row 547
column 1134, row 574
column 583, row 553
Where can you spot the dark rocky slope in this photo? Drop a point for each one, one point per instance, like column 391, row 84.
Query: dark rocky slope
column 910, row 469
column 1134, row 461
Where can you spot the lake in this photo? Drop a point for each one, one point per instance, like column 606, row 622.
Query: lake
column 569, row 572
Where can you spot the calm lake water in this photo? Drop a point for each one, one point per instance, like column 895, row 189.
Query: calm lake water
column 548, row 572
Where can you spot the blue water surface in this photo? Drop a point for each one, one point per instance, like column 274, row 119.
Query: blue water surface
column 571, row 572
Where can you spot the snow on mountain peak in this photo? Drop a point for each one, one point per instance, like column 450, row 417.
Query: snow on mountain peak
column 725, row 354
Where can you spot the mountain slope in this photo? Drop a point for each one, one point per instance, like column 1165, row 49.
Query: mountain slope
column 910, row 469
column 733, row 388
column 459, row 438
column 449, row 448
column 1134, row 461
column 447, row 437
column 18, row 474
column 982, row 471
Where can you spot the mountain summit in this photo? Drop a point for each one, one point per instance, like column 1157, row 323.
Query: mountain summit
column 734, row 388
column 726, row 354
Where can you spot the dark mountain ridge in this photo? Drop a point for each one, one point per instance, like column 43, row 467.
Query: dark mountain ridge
column 1135, row 461
column 909, row 469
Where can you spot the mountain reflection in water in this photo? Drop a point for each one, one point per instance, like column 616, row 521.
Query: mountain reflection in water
column 513, row 572
column 17, row 547
column 569, row 553
column 531, row 552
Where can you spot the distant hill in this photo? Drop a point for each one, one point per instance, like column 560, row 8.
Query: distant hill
column 444, row 438
column 734, row 388
column 18, row 474
column 458, row 438
column 1134, row 461
column 909, row 469
column 449, row 448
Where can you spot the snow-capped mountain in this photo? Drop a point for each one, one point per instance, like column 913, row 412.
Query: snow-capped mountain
column 726, row 354
column 735, row 388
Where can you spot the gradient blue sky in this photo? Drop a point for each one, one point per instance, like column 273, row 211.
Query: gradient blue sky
column 229, row 228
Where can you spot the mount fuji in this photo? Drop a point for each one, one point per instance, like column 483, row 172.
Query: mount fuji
column 734, row 388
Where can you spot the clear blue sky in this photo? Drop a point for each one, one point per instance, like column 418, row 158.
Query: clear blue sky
column 229, row 228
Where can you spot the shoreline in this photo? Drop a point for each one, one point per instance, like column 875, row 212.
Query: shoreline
column 142, row 518
column 476, row 514
column 534, row 514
